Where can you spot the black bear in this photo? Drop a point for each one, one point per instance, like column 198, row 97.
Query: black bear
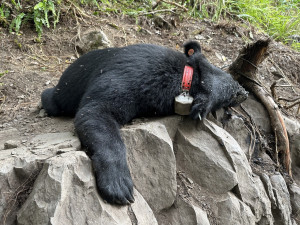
column 107, row 88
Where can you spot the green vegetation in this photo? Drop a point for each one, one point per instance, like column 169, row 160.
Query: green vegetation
column 279, row 18
column 3, row 73
column 41, row 13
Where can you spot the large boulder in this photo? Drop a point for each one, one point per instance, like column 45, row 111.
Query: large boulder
column 200, row 155
column 250, row 188
column 20, row 167
column 152, row 163
column 65, row 193
column 18, row 170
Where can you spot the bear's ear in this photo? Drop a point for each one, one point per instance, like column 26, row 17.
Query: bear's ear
column 191, row 48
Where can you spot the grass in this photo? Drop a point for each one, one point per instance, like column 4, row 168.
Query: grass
column 279, row 18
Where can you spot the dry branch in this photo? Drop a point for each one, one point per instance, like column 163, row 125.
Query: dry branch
column 244, row 71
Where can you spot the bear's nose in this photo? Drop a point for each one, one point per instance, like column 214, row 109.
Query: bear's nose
column 242, row 95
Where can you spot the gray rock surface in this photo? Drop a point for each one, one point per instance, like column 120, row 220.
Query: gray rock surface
column 8, row 135
column 293, row 129
column 282, row 213
column 11, row 144
column 65, row 193
column 294, row 190
column 152, row 163
column 18, row 169
column 249, row 188
column 46, row 180
column 258, row 113
column 92, row 39
column 203, row 159
column 233, row 211
column 183, row 212
column 237, row 128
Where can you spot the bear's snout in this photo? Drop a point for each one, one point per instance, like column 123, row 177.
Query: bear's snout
column 241, row 95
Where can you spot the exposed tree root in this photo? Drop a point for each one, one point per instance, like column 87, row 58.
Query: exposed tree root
column 244, row 70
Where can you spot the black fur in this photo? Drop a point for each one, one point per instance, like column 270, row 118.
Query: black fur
column 107, row 88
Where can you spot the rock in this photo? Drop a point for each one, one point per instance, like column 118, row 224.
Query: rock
column 13, row 135
column 249, row 188
column 42, row 113
column 18, row 171
column 295, row 200
column 171, row 123
column 56, row 140
column 142, row 211
column 233, row 211
column 183, row 212
column 282, row 214
column 65, row 192
column 269, row 188
column 201, row 216
column 293, row 129
column 203, row 159
column 152, row 163
column 199, row 37
column 160, row 22
column 11, row 144
column 258, row 113
column 92, row 39
column 237, row 128
column 21, row 165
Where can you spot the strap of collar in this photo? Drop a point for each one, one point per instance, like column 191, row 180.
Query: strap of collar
column 187, row 78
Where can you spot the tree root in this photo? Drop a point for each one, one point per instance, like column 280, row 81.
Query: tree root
column 244, row 70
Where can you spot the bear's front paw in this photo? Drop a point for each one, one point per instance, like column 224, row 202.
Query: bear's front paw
column 115, row 184
column 200, row 109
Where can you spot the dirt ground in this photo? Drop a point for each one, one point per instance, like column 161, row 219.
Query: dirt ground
column 28, row 67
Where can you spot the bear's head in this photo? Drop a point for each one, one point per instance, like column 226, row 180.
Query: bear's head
column 212, row 88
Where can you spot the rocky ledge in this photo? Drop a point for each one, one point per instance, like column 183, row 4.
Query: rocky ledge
column 184, row 171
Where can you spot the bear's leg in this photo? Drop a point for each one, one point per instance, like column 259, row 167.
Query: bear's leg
column 99, row 133
column 49, row 103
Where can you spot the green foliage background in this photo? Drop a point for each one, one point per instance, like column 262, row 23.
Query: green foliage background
column 279, row 18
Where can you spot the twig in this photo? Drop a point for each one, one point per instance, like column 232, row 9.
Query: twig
column 2, row 99
column 78, row 9
column 292, row 105
column 283, row 74
column 273, row 91
column 288, row 100
column 285, row 85
column 154, row 6
column 175, row 4
column 125, row 36
column 276, row 149
column 157, row 11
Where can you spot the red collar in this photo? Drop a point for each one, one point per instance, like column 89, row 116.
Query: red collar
column 187, row 78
